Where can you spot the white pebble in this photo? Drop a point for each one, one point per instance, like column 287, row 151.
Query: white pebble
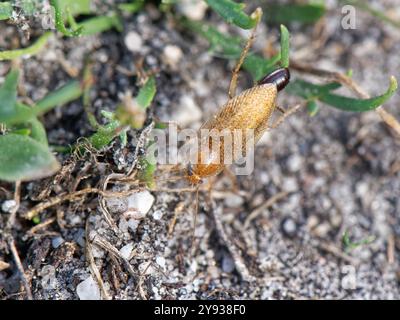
column 88, row 290
column 126, row 250
column 294, row 163
column 188, row 111
column 161, row 262
column 233, row 200
column 8, row 205
column 157, row 215
column 141, row 203
column 133, row 41
column 172, row 55
column 193, row 9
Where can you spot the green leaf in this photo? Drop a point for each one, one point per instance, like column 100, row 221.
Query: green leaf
column 5, row 10
column 147, row 93
column 286, row 13
column 8, row 95
column 284, row 46
column 132, row 7
column 232, row 13
column 60, row 7
column 231, row 47
column 312, row 108
column 100, row 24
column 323, row 93
column 350, row 245
column 259, row 66
column 359, row 105
column 22, row 158
column 33, row 49
column 105, row 135
column 76, row 7
column 38, row 132
column 67, row 93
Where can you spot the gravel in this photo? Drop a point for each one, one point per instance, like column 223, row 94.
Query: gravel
column 341, row 172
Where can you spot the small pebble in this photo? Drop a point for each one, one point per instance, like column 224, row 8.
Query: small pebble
column 289, row 227
column 88, row 290
column 193, row 9
column 126, row 250
column 8, row 205
column 172, row 55
column 187, row 112
column 56, row 242
column 294, row 163
column 141, row 202
column 157, row 215
column 133, row 41
column 161, row 262
column 233, row 200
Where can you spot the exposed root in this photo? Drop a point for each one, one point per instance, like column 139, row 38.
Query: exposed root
column 237, row 258
column 11, row 242
column 77, row 195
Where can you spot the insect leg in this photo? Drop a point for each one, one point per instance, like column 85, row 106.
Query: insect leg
column 286, row 114
column 235, row 72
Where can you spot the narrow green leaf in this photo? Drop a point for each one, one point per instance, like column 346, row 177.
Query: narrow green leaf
column 23, row 158
column 323, row 93
column 33, row 49
column 67, row 93
column 132, row 7
column 105, row 135
column 356, row 105
column 38, row 132
column 60, row 8
column 76, row 7
column 147, row 93
column 287, row 13
column 312, row 108
column 8, row 95
column 232, row 13
column 259, row 66
column 284, row 46
column 231, row 47
column 100, row 24
column 5, row 10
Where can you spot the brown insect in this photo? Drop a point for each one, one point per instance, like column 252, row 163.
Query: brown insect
column 250, row 110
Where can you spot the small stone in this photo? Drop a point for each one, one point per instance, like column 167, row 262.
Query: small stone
column 49, row 280
column 228, row 265
column 172, row 55
column 188, row 111
column 233, row 200
column 88, row 290
column 133, row 224
column 126, row 250
column 294, row 163
column 193, row 9
column 56, row 242
column 157, row 215
column 322, row 230
column 161, row 262
column 289, row 227
column 8, row 205
column 141, row 203
column 117, row 205
column 133, row 41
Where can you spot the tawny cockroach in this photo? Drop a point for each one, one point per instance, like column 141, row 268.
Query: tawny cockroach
column 252, row 109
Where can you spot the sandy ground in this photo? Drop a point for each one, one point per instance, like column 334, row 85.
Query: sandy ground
column 332, row 173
